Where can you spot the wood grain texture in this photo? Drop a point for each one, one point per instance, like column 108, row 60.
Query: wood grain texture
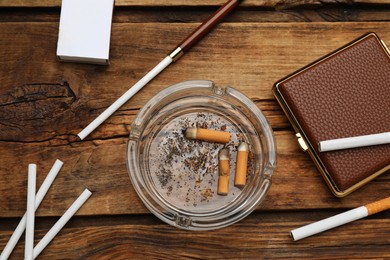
column 45, row 103
column 100, row 166
column 33, row 131
column 346, row 13
column 260, row 236
column 281, row 4
column 261, row 55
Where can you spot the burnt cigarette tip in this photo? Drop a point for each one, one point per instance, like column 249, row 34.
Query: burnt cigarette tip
column 190, row 133
column 224, row 154
column 243, row 147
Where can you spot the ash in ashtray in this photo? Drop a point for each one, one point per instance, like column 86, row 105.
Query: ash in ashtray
column 185, row 172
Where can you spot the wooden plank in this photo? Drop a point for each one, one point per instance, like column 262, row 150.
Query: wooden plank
column 348, row 13
column 259, row 236
column 261, row 55
column 251, row 3
column 41, row 115
column 101, row 166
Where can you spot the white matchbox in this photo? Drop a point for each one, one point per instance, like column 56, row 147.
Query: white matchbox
column 85, row 30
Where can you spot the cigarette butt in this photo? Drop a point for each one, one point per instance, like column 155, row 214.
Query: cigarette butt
column 207, row 135
column 241, row 165
column 224, row 172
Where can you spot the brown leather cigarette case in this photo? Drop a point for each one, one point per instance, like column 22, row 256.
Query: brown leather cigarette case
column 345, row 94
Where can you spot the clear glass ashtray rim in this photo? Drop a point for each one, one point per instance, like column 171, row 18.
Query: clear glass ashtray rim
column 202, row 221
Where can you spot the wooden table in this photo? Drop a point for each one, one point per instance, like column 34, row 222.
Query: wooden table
column 45, row 103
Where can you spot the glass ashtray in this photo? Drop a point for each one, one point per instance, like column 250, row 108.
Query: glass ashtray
column 176, row 177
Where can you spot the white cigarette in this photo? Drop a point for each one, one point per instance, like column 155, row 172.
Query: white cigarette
column 125, row 97
column 340, row 219
column 354, row 142
column 31, row 185
column 38, row 199
column 61, row 222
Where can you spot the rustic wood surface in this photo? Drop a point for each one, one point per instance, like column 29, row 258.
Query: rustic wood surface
column 281, row 4
column 45, row 103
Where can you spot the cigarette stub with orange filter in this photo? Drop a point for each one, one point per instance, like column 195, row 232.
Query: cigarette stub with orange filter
column 340, row 219
column 241, row 165
column 224, row 172
column 207, row 135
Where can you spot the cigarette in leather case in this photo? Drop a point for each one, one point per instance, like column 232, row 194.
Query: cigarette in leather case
column 340, row 219
column 354, row 142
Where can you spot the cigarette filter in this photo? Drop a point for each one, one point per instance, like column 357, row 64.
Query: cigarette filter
column 224, row 172
column 340, row 219
column 207, row 135
column 241, row 165
column 354, row 142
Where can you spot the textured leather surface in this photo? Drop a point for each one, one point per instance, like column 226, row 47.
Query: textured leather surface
column 347, row 94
